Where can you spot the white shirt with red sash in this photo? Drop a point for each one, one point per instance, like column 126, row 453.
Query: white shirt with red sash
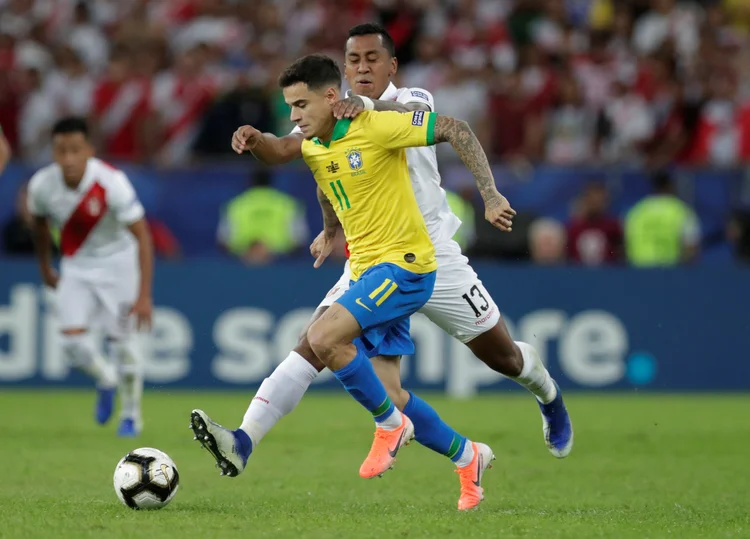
column 92, row 218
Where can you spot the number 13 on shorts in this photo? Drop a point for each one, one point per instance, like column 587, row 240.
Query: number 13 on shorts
column 476, row 301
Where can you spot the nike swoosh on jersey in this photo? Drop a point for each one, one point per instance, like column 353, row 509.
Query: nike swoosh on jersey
column 359, row 302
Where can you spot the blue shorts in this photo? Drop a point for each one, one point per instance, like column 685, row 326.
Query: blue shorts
column 381, row 301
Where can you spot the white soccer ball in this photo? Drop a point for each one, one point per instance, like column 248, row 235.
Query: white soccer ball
column 146, row 478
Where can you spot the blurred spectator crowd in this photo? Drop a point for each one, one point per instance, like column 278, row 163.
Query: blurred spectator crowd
column 565, row 82
column 559, row 81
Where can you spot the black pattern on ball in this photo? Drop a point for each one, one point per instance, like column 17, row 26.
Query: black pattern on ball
column 144, row 481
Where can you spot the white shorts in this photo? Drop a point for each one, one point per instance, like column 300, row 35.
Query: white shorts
column 459, row 305
column 99, row 295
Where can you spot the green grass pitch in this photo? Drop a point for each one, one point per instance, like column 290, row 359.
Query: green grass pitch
column 642, row 467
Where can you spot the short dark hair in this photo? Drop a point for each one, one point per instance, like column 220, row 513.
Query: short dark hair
column 374, row 29
column 315, row 70
column 72, row 124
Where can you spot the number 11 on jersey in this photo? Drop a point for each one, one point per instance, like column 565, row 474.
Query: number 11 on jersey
column 340, row 194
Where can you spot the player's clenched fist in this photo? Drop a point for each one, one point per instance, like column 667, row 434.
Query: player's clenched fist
column 245, row 138
column 498, row 212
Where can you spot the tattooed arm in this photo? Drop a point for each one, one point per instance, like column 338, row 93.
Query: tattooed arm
column 350, row 107
column 322, row 246
column 399, row 107
column 460, row 136
column 330, row 220
column 394, row 130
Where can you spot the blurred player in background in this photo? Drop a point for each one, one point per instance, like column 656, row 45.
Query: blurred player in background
column 106, row 267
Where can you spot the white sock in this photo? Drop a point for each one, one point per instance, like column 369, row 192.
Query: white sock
column 82, row 355
column 467, row 455
column 392, row 421
column 130, row 366
column 278, row 395
column 102, row 371
column 534, row 376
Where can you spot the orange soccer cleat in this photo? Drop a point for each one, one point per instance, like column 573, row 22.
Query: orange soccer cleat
column 385, row 447
column 470, row 476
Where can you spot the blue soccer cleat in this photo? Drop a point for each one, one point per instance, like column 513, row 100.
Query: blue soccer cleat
column 129, row 428
column 558, row 429
column 230, row 448
column 105, row 404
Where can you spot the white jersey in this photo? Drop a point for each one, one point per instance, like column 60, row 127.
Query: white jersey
column 93, row 217
column 441, row 222
column 459, row 304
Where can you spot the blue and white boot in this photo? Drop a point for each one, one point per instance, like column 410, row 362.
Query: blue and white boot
column 105, row 404
column 129, row 428
column 558, row 429
column 230, row 448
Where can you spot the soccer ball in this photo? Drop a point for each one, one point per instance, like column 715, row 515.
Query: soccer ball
column 146, row 478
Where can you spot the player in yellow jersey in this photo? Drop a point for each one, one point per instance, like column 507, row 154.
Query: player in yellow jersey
column 364, row 184
column 370, row 65
column 360, row 168
column 362, row 171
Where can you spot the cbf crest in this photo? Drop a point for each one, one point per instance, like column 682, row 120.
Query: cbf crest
column 354, row 156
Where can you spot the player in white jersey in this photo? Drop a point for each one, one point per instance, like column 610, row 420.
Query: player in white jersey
column 105, row 268
column 460, row 304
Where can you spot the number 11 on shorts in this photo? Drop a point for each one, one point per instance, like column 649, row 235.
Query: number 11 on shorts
column 383, row 295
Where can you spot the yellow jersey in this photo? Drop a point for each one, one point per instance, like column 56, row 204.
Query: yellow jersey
column 364, row 175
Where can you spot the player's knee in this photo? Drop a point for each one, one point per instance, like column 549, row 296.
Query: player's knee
column 77, row 348
column 321, row 341
column 304, row 349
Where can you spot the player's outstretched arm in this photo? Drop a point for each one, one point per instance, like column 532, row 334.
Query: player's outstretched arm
column 350, row 107
column 266, row 147
column 464, row 141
